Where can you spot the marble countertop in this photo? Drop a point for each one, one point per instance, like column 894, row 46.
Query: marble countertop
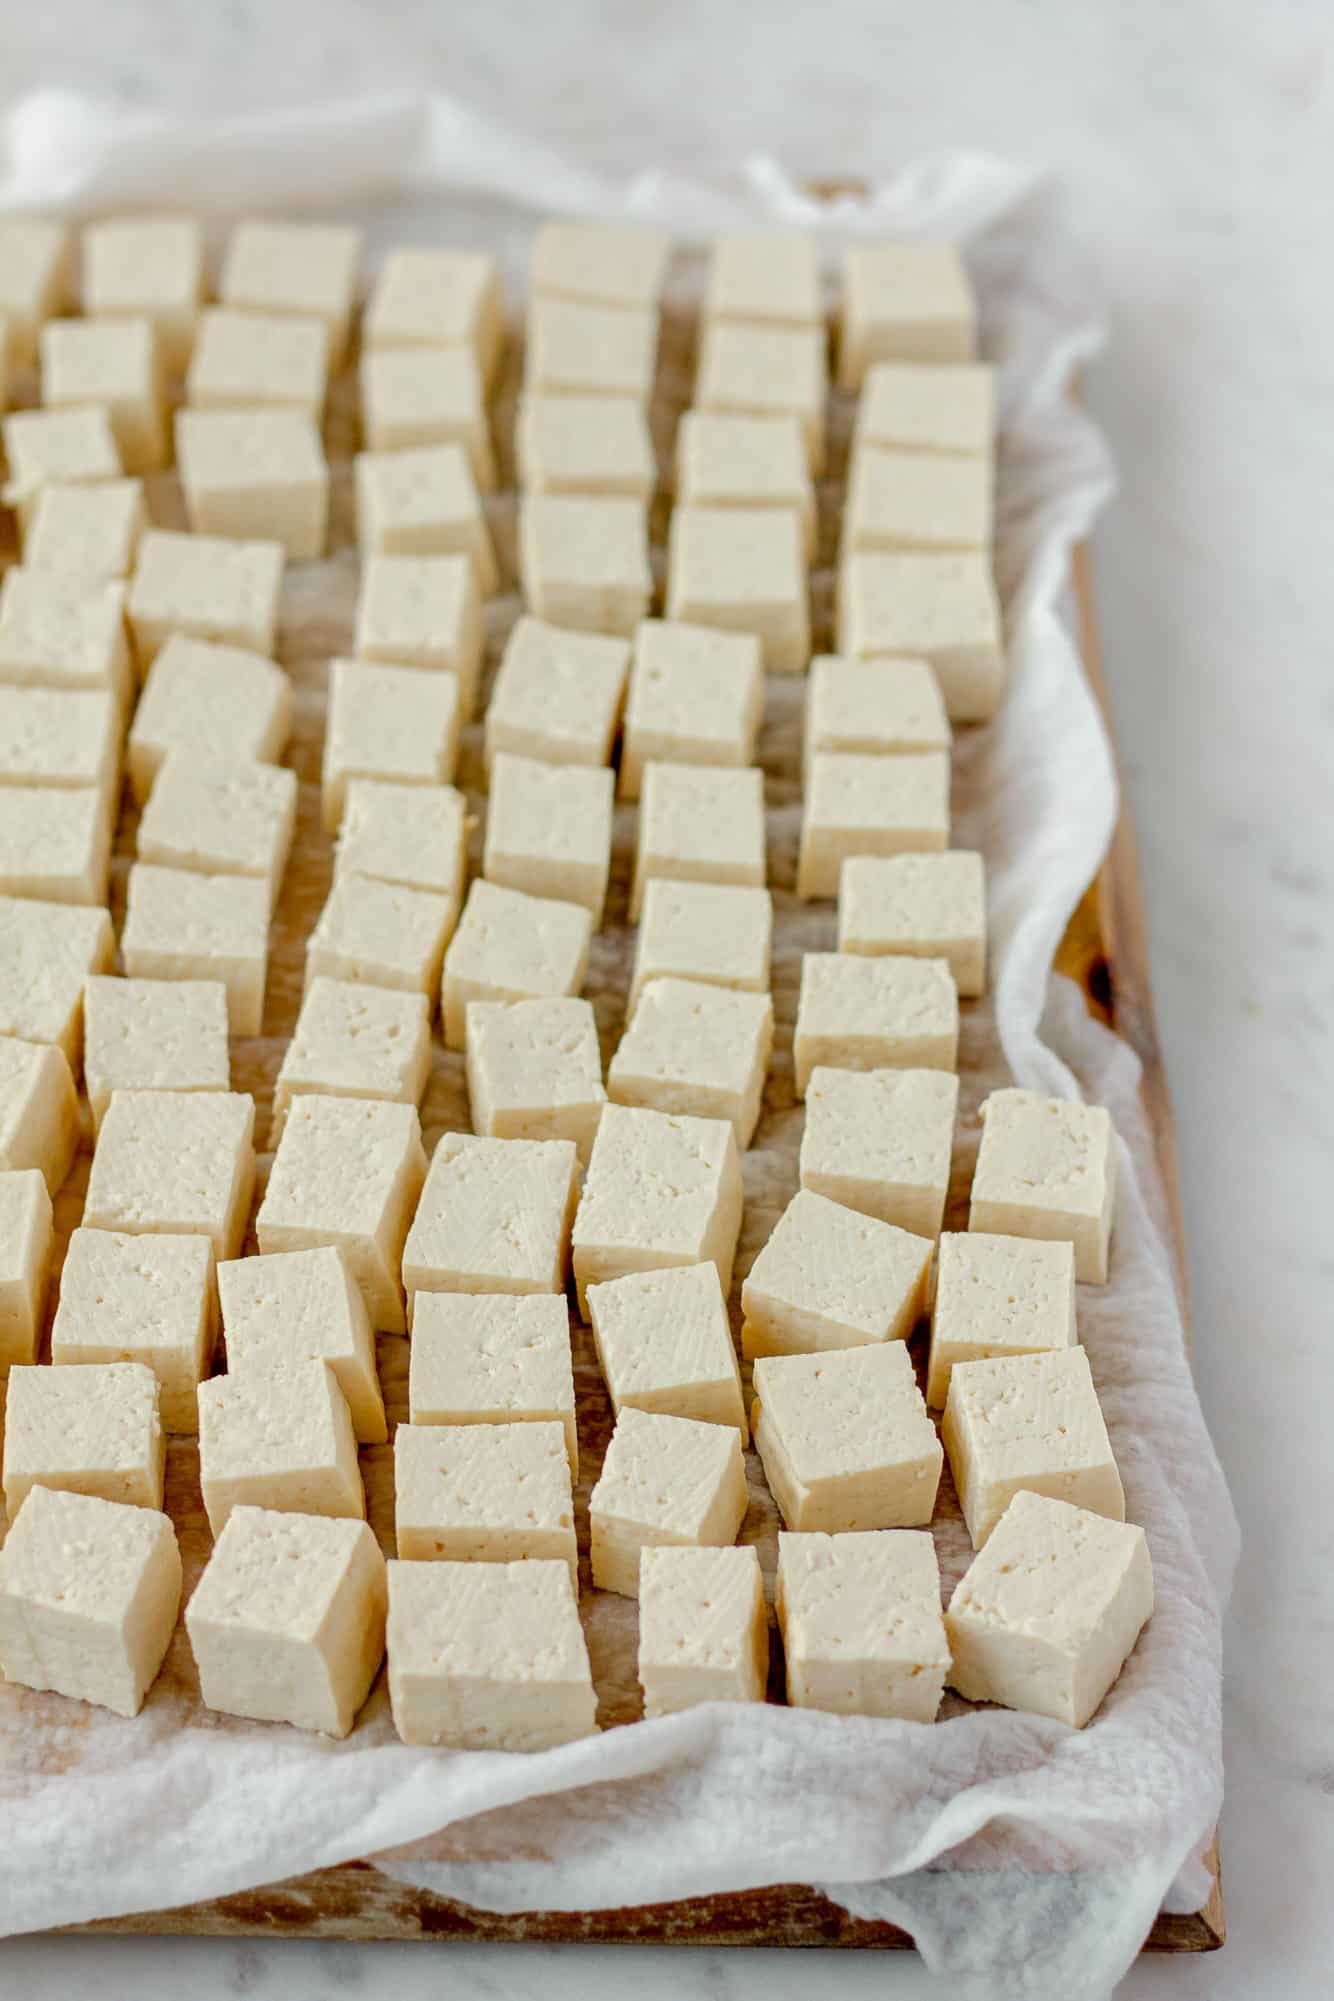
column 1192, row 147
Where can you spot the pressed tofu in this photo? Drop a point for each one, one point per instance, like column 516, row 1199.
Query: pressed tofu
column 206, row 587
column 47, row 950
column 62, row 632
column 696, row 697
column 548, row 830
column 699, row 824
column 153, row 1035
column 860, row 805
column 348, row 1172
column 220, row 816
column 696, row 1048
column 90, row 532
column 494, row 1216
column 765, row 277
column 431, row 296
column 175, row 1163
column 1045, row 1616
column 412, row 835
column 255, row 473
column 59, row 737
column 1046, row 1168
column 26, row 1242
column 917, row 500
column 488, row 1656
column 585, row 444
column 883, row 707
column 754, row 371
column 381, row 935
column 278, row 1438
column 493, row 1358
column 717, row 933
column 183, row 926
column 415, row 397
column 860, row 1615
column 614, row 263
column 89, row 1592
column 39, row 1110
column 998, row 1296
column 305, row 268
column 663, row 1343
column 46, row 447
column 114, row 365
column 845, row 1439
column 355, row 1041
column 287, row 1622
column 283, row 1311
column 725, row 461
column 937, row 606
column 584, row 561
column 830, row 1278
column 35, row 273
column 703, row 1628
column 590, row 351
column 928, row 407
column 918, row 906
column 742, row 569
column 904, row 302
column 257, row 361
column 661, row 1191
column 93, row 1430
column 149, row 267
column 874, row 1014
column 423, row 503
column 879, row 1141
column 557, row 694
column 511, row 947
column 141, row 1299
column 664, row 1480
column 484, row 1493
column 387, row 723
column 1030, row 1423
column 423, row 611
column 535, row 1071
column 55, row 843
column 208, row 699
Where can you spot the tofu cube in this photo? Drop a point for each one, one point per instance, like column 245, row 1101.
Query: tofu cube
column 380, row 934
column 62, row 632
column 664, row 1480
column 200, row 698
column 917, row 500
column 411, row 835
column 87, row 532
column 703, row 1628
column 696, row 697
column 354, row 1041
column 753, row 371
column 725, row 461
column 583, row 561
column 494, row 1216
column 285, row 1310
column 278, row 1438
column 43, row 447
column 35, row 274
column 831, row 1278
column 535, row 1071
column 1046, row 1616
column 430, row 296
column 612, row 263
column 348, row 1172
column 879, row 1141
column 258, row 361
column 304, row 268
column 904, row 302
column 860, row 1615
column 412, row 398
column 512, row 947
column 147, row 267
column 663, row 1343
column 997, row 1296
column 845, row 1439
column 387, row 723
column 585, row 444
column 1046, row 1168
column 696, row 1049
column 590, row 351
column 113, row 364
column 141, row 1299
column 484, row 1493
column 488, row 1656
column 879, row 708
column 493, row 1358
column 207, row 588
column 859, row 805
column 39, row 1111
column 423, row 503
column 765, row 277
column 874, row 1014
column 287, row 1622
column 139, row 1181
column 548, row 830
column 557, row 695
column 742, row 569
column 699, row 824
column 928, row 407
column 89, row 1592
column 153, row 1035
column 423, row 611
column 928, row 906
column 27, row 1238
column 717, row 934
column 260, row 474
column 55, row 843
column 183, row 926
column 47, row 950
column 60, row 738
column 93, row 1430
column 220, row 816
column 661, row 1191
column 933, row 605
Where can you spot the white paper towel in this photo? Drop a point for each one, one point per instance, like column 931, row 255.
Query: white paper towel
column 1025, row 1858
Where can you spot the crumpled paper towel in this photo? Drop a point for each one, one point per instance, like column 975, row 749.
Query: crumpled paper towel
column 1024, row 1858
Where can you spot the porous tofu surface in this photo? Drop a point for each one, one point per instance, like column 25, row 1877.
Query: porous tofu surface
column 182, row 1162
column 494, row 1216
column 829, row 1277
column 153, row 1035
column 47, row 951
column 557, row 694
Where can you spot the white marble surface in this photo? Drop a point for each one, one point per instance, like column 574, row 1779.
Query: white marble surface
column 1193, row 145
